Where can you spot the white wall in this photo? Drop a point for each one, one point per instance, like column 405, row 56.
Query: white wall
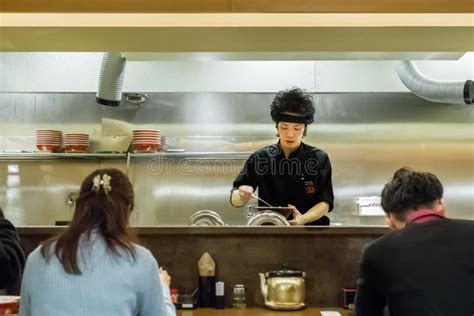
column 78, row 72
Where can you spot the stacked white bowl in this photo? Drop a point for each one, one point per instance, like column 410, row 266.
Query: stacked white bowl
column 76, row 142
column 48, row 140
column 146, row 140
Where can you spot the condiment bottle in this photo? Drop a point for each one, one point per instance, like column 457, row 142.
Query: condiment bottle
column 238, row 300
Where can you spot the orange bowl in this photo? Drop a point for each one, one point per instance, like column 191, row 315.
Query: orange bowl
column 77, row 135
column 146, row 137
column 76, row 148
column 48, row 148
column 145, row 147
column 146, row 131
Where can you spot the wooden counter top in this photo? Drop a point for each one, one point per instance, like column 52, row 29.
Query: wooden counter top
column 237, row 6
column 230, row 230
column 259, row 312
column 329, row 256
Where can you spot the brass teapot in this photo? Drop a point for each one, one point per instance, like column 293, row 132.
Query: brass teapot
column 283, row 289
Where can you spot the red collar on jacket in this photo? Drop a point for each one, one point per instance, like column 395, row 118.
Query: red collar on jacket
column 423, row 215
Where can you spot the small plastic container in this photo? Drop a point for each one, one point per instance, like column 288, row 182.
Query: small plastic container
column 187, row 300
column 238, row 299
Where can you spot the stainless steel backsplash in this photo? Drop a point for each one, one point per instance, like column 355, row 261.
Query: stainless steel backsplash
column 367, row 135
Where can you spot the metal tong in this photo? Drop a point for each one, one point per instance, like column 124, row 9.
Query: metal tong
column 255, row 196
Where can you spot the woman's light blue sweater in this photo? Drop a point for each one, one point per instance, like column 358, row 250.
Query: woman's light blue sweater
column 108, row 286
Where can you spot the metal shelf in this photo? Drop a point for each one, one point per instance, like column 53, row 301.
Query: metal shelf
column 54, row 156
column 193, row 155
column 99, row 156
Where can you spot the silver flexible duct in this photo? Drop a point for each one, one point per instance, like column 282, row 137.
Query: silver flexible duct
column 452, row 92
column 111, row 78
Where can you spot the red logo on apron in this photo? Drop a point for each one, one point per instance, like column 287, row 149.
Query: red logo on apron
column 309, row 186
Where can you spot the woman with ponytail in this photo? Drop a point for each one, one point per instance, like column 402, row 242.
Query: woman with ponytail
column 95, row 267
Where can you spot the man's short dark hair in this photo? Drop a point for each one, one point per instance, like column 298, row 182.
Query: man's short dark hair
column 410, row 190
column 295, row 101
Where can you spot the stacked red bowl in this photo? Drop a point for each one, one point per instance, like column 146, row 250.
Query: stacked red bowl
column 146, row 140
column 48, row 140
column 76, row 143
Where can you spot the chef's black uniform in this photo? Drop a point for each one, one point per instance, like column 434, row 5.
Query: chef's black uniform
column 302, row 180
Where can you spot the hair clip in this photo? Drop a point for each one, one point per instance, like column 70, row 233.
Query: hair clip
column 97, row 181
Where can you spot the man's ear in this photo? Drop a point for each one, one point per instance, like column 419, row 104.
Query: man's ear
column 441, row 207
column 391, row 221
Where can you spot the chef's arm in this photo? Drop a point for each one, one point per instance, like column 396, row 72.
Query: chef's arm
column 316, row 212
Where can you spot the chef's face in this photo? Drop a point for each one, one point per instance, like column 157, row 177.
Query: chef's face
column 291, row 134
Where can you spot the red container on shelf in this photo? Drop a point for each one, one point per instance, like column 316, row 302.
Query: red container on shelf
column 145, row 147
column 48, row 148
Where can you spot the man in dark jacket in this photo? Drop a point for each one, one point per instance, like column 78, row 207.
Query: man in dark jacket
column 12, row 259
column 426, row 266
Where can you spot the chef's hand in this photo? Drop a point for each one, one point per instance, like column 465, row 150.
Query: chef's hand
column 245, row 193
column 298, row 218
column 165, row 277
